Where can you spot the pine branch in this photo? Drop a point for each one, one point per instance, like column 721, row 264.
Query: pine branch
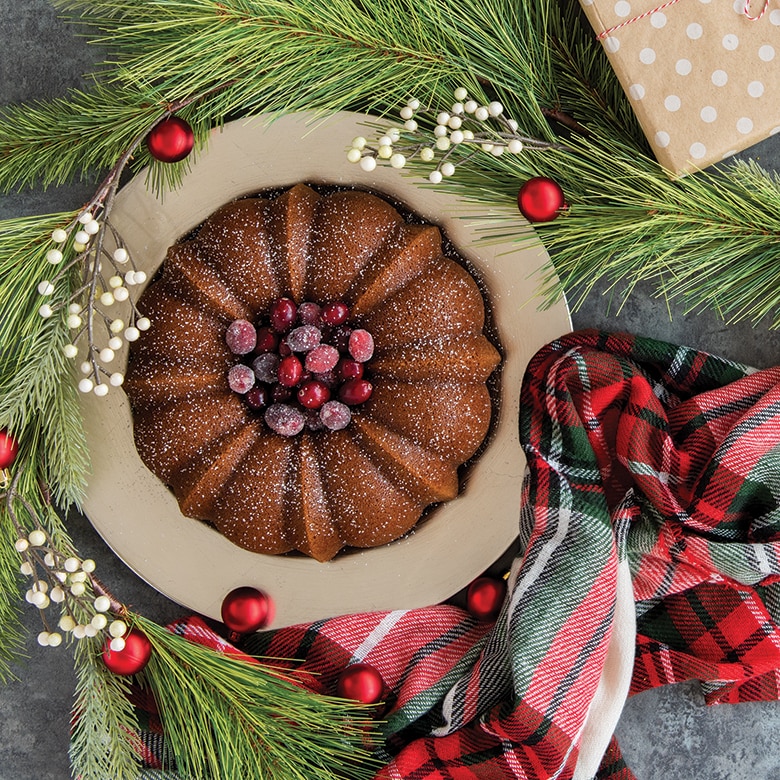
column 11, row 628
column 104, row 743
column 224, row 717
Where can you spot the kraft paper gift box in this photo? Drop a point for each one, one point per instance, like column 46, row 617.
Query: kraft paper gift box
column 703, row 76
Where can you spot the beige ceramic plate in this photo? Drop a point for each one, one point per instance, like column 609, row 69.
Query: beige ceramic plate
column 191, row 563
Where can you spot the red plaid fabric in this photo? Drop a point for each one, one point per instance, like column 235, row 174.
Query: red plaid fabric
column 637, row 450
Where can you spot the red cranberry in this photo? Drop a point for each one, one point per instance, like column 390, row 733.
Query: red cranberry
column 335, row 313
column 284, row 420
column 335, row 415
column 289, row 371
column 284, row 349
column 304, row 338
column 241, row 337
column 258, row 397
column 322, row 358
column 282, row 314
column 309, row 313
column 349, row 369
column 241, row 378
column 355, row 391
column 361, row 345
column 267, row 340
column 340, row 338
column 313, row 394
column 280, row 393
column 266, row 367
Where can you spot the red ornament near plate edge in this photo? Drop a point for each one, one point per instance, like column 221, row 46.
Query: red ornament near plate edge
column 541, row 199
column 485, row 597
column 246, row 610
column 8, row 449
column 361, row 682
column 170, row 140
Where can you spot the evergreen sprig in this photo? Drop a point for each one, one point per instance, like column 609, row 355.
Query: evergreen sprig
column 224, row 717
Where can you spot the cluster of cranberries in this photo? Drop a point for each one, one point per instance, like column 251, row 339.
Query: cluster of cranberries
column 302, row 367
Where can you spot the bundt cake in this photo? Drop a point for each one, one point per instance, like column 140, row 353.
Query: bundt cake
column 315, row 372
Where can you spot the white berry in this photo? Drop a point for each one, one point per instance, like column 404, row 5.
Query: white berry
column 407, row 112
column 460, row 93
column 447, row 169
column 120, row 255
column 121, row 294
column 385, row 152
column 434, row 177
column 442, row 118
column 107, row 298
column 88, row 565
column 45, row 311
column 101, row 390
column 86, row 385
column 115, row 343
column 99, row 622
column 359, row 142
column 143, row 323
column 132, row 334
column 70, row 350
column 515, row 146
column 117, row 628
column 140, row 277
column 455, row 122
column 482, row 113
column 73, row 321
column 59, row 236
column 55, row 639
column 427, row 154
column 117, row 644
column 107, row 355
column 71, row 564
column 67, row 623
column 57, row 595
column 414, row 104
column 86, row 367
column 102, row 603
column 470, row 106
column 85, row 216
column 49, row 560
column 43, row 638
column 26, row 569
column 368, row 164
column 90, row 630
column 79, row 631
column 456, row 136
column 116, row 379
column 36, row 537
column 54, row 256
column 439, row 131
column 39, row 599
column 81, row 237
column 78, row 588
column 497, row 150
column 411, row 125
column 92, row 227
column 495, row 108
column 354, row 155
column 443, row 143
column 21, row 545
column 116, row 326
column 397, row 161
column 45, row 287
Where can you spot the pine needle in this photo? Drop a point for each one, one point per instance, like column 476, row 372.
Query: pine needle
column 226, row 719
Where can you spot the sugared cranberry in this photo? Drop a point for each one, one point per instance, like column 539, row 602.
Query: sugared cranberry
column 349, row 369
column 282, row 314
column 241, row 378
column 328, row 378
column 335, row 313
column 280, row 393
column 322, row 358
column 241, row 337
column 266, row 367
column 335, row 415
column 289, row 371
column 313, row 394
column 339, row 337
column 267, row 340
column 304, row 338
column 361, row 345
column 309, row 313
column 313, row 421
column 355, row 391
column 258, row 397
column 285, row 420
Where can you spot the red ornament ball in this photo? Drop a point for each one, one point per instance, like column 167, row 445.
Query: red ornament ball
column 170, row 140
column 485, row 597
column 361, row 682
column 246, row 610
column 8, row 449
column 132, row 658
column 540, row 199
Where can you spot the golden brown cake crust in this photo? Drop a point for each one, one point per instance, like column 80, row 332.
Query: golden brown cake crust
column 320, row 490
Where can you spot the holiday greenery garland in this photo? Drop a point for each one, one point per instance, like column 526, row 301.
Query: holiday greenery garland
column 710, row 238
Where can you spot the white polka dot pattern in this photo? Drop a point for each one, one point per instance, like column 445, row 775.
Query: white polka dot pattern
column 699, row 74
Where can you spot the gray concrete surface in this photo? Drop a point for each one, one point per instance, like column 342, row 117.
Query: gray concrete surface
column 666, row 734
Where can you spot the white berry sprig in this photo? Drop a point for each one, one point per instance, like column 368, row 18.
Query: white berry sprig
column 58, row 576
column 463, row 125
column 107, row 279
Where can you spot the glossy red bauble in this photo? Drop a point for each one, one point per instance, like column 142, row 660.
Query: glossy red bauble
column 485, row 597
column 132, row 658
column 361, row 682
column 540, row 199
column 170, row 140
column 245, row 610
column 8, row 449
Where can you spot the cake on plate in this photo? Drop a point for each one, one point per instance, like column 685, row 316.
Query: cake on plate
column 314, row 374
